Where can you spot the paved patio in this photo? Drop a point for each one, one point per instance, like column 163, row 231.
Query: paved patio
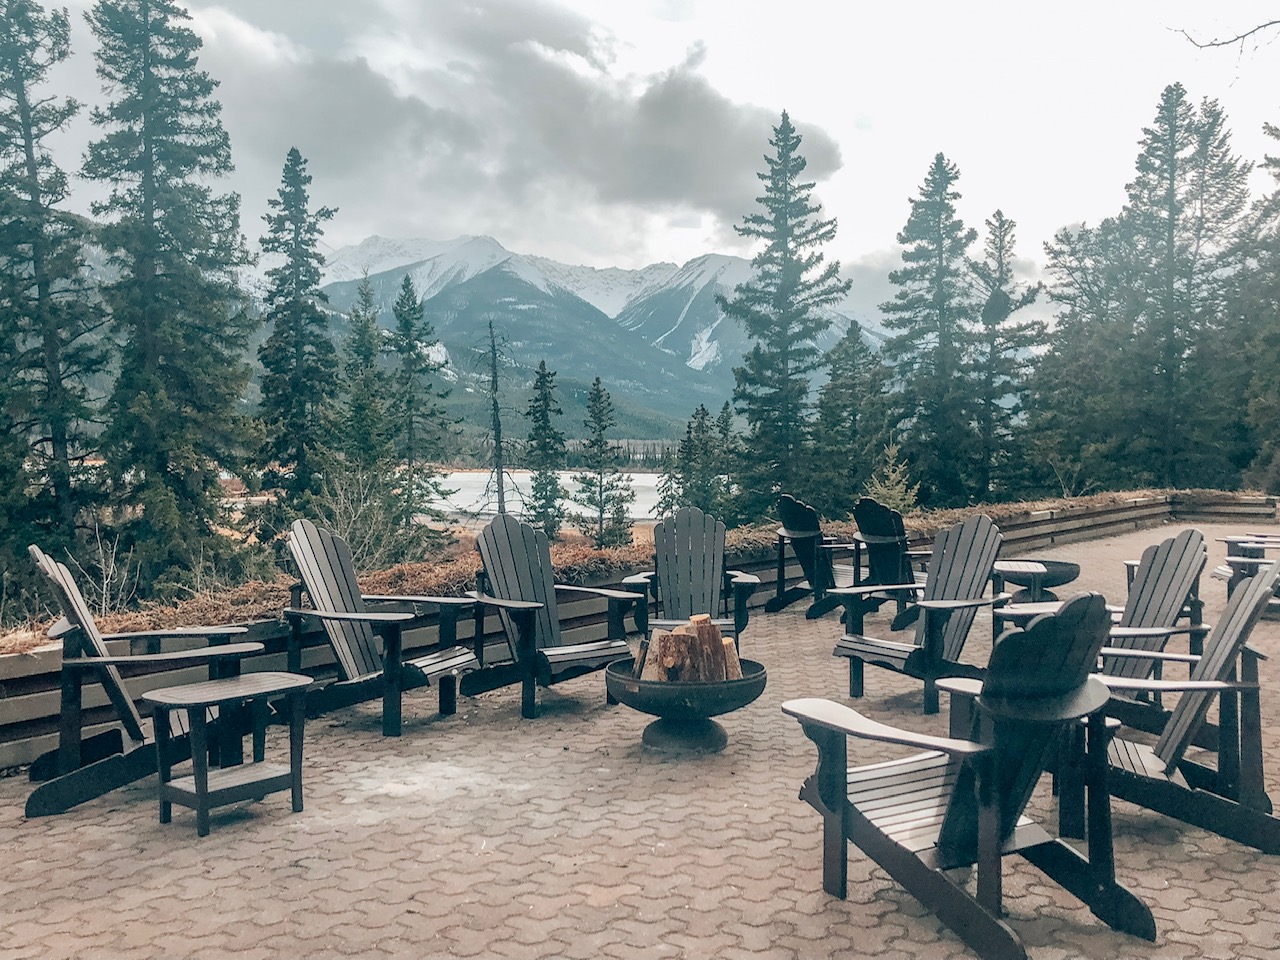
column 484, row 835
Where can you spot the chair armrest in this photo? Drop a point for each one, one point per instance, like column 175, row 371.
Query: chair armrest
column 342, row 616
column 958, row 604
column 176, row 632
column 203, row 655
column 832, row 545
column 740, row 579
column 60, row 629
column 1149, row 655
column 629, row 595
column 842, row 719
column 1171, row 686
column 1124, row 632
column 409, row 598
column 871, row 588
column 515, row 606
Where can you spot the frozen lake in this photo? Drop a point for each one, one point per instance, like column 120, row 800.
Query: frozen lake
column 475, row 494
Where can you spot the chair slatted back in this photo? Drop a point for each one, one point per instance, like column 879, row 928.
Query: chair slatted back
column 689, row 557
column 1047, row 663
column 960, row 569
column 1166, row 575
column 328, row 572
column 517, row 561
column 800, row 525
column 885, row 541
column 89, row 639
column 1221, row 652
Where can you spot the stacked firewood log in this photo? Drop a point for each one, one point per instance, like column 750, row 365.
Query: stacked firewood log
column 692, row 651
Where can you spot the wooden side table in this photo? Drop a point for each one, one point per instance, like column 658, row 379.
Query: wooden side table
column 207, row 788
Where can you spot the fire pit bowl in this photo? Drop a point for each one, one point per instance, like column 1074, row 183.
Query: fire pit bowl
column 1057, row 573
column 684, row 709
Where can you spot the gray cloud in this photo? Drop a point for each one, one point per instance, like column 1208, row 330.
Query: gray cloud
column 502, row 120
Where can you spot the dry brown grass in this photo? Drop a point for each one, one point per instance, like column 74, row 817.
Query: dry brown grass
column 574, row 558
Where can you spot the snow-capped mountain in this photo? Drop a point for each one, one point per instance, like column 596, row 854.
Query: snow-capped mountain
column 654, row 333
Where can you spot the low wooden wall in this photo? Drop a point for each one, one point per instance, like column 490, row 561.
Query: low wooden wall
column 29, row 682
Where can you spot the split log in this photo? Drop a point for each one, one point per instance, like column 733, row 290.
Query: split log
column 692, row 651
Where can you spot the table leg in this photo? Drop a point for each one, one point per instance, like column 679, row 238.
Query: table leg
column 200, row 767
column 297, row 717
column 160, row 727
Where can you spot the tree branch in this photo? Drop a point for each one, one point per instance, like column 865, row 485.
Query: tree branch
column 1239, row 38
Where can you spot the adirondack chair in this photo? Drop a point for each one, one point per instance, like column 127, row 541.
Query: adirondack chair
column 518, row 581
column 690, row 577
column 82, row 768
column 1164, row 578
column 815, row 553
column 959, row 570
column 353, row 630
column 882, row 538
column 961, row 803
column 1231, row 799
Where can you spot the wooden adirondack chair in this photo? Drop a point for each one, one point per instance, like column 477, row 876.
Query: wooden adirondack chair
column 1230, row 800
column 83, row 768
column 1164, row 578
column 962, row 802
column 353, row 630
column 689, row 576
column 959, row 571
column 815, row 553
column 518, row 580
column 882, row 539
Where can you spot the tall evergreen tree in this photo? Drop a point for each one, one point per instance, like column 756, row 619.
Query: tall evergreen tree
column 700, row 464
column 603, row 488
column 932, row 313
column 781, row 309
column 365, row 427
column 850, row 429
column 545, row 455
column 299, row 362
column 1257, row 306
column 418, row 418
column 175, row 246
column 50, row 354
column 1186, row 203
column 1002, row 354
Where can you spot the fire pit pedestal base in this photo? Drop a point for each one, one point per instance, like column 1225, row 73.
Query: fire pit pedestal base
column 685, row 709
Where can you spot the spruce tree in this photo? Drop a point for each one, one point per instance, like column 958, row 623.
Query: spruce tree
column 175, row 247
column 418, row 419
column 932, row 312
column 603, row 488
column 782, row 310
column 545, row 455
column 1257, row 305
column 850, row 428
column 365, row 427
column 299, row 362
column 1187, row 201
column 50, row 349
column 700, row 464
column 1002, row 354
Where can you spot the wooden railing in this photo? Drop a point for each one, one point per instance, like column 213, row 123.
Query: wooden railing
column 29, row 685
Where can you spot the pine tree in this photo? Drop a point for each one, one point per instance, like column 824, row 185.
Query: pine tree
column 890, row 482
column 1187, row 201
column 418, row 418
column 668, row 486
column 602, row 486
column 51, row 352
column 933, row 311
column 545, row 455
column 1002, row 353
column 781, row 309
column 299, row 362
column 850, row 429
column 175, row 246
column 365, row 428
column 1257, row 305
column 700, row 464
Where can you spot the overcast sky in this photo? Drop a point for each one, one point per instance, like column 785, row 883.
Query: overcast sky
column 621, row 132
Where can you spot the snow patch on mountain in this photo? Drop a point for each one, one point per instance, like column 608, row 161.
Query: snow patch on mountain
column 608, row 289
column 704, row 351
column 712, row 268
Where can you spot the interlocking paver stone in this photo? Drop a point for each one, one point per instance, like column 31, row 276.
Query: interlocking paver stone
column 485, row 835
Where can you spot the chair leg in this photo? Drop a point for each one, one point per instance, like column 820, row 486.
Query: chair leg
column 448, row 695
column 855, row 677
column 931, row 704
column 528, row 696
